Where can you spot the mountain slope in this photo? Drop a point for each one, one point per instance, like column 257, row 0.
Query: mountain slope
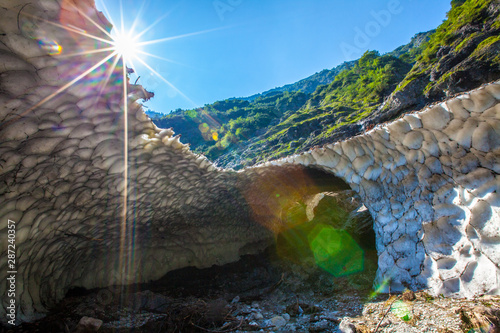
column 462, row 54
column 153, row 114
column 332, row 110
column 227, row 128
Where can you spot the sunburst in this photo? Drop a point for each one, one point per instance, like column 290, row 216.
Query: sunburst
column 126, row 46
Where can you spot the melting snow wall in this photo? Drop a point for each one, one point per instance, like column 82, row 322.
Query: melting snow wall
column 62, row 170
column 430, row 180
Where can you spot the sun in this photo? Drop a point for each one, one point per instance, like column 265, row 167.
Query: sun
column 126, row 45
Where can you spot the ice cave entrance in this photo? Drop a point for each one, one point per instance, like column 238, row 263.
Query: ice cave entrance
column 330, row 229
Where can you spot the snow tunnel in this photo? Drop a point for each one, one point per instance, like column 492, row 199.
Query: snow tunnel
column 100, row 196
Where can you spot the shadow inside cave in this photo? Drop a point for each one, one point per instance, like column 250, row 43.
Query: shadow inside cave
column 230, row 296
column 323, row 262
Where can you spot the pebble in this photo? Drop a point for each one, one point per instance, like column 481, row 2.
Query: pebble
column 321, row 325
column 88, row 324
column 331, row 315
column 277, row 321
column 258, row 316
column 408, row 295
column 385, row 322
column 346, row 326
column 133, row 320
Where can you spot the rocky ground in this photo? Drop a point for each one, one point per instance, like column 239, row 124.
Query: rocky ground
column 265, row 294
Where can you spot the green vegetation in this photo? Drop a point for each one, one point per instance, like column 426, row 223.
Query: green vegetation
column 215, row 128
column 458, row 36
column 352, row 96
column 482, row 50
column 488, row 42
column 365, row 85
column 461, row 14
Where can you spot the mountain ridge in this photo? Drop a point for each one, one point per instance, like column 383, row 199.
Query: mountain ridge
column 276, row 102
column 307, row 85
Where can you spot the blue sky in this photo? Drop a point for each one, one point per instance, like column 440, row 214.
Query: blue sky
column 236, row 48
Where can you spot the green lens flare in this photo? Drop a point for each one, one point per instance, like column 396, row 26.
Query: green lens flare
column 335, row 251
column 400, row 309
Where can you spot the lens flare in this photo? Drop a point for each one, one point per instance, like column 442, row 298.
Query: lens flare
column 380, row 288
column 52, row 47
column 401, row 310
column 336, row 251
